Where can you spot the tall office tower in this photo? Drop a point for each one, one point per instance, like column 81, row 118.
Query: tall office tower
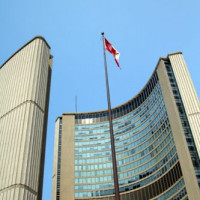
column 157, row 143
column 24, row 96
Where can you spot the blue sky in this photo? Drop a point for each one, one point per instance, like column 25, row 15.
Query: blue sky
column 142, row 31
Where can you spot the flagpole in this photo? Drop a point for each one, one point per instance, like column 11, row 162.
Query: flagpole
column 114, row 162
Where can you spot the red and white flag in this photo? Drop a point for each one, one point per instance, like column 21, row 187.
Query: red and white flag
column 109, row 47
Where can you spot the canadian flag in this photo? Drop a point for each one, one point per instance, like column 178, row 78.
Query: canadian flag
column 109, row 47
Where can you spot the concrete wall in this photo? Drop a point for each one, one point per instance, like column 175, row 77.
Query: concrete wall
column 188, row 95
column 24, row 95
column 67, row 158
column 178, row 133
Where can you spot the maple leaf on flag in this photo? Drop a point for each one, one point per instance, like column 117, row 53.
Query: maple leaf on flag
column 109, row 47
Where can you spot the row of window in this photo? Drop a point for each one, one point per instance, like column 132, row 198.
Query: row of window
column 145, row 140
column 142, row 147
column 147, row 135
column 94, row 193
column 163, row 149
column 149, row 175
column 92, row 186
column 93, row 167
column 89, row 134
column 92, row 154
column 123, row 110
column 180, row 195
column 123, row 134
column 169, row 180
column 160, row 116
column 158, row 187
column 173, row 190
column 148, row 166
column 109, row 171
column 81, row 174
column 97, row 139
column 154, row 141
column 152, row 148
column 122, row 120
column 93, row 160
column 133, row 175
column 129, row 134
column 137, row 155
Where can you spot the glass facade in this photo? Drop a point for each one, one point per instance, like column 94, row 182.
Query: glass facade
column 145, row 149
column 59, row 160
column 156, row 144
column 184, row 121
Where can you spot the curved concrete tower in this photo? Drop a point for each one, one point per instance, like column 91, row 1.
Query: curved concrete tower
column 157, row 143
column 24, row 97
